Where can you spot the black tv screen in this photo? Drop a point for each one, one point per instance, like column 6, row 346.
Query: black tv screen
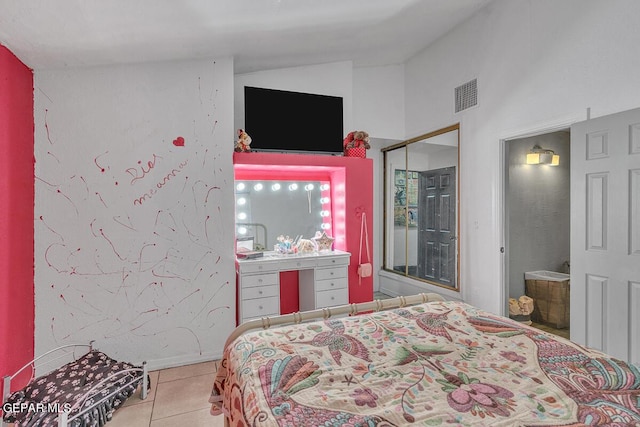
column 279, row 120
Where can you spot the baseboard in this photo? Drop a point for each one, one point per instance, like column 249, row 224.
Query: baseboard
column 395, row 285
column 187, row 359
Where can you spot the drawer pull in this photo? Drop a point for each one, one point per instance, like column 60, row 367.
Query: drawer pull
column 333, row 261
column 332, row 298
column 259, row 280
column 332, row 273
column 333, row 284
column 259, row 292
column 260, row 307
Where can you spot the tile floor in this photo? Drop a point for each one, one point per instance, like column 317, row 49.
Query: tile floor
column 564, row 333
column 178, row 397
column 380, row 295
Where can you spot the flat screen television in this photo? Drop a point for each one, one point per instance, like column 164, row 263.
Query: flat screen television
column 280, row 120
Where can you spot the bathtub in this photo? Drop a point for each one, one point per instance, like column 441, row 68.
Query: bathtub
column 552, row 276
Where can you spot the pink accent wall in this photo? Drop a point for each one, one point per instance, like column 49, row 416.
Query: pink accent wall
column 351, row 194
column 16, row 216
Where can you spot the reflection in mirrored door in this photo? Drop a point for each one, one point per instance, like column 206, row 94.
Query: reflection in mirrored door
column 421, row 208
column 396, row 211
column 436, row 228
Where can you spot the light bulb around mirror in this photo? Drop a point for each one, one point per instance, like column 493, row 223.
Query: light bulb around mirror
column 325, row 226
column 308, row 187
column 241, row 201
column 242, row 216
column 324, row 187
column 275, row 187
column 293, row 187
column 240, row 186
column 324, row 200
column 242, row 230
column 258, row 186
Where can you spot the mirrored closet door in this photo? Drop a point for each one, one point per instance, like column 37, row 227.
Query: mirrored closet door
column 421, row 225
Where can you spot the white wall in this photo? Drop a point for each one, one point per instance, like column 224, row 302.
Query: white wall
column 148, row 281
column 378, row 108
column 378, row 101
column 539, row 64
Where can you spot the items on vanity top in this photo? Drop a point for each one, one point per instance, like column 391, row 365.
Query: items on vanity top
column 287, row 246
column 323, row 282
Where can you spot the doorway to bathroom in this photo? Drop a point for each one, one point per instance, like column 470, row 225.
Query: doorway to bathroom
column 536, row 203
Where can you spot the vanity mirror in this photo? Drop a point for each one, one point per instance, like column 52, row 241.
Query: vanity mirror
column 266, row 209
column 421, row 230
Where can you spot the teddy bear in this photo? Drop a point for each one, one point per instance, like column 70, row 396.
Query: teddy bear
column 244, row 142
column 355, row 139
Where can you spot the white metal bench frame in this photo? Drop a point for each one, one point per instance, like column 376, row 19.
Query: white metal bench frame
column 63, row 417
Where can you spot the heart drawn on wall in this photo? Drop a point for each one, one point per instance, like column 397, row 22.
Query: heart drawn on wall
column 179, row 142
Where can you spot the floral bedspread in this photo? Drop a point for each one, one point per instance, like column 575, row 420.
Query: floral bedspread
column 439, row 363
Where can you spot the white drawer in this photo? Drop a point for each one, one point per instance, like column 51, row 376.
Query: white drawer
column 260, row 307
column 331, row 273
column 331, row 298
column 328, row 262
column 257, row 267
column 329, row 284
column 248, row 281
column 261, row 292
column 297, row 264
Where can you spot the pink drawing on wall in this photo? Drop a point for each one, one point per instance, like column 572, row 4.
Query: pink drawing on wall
column 141, row 171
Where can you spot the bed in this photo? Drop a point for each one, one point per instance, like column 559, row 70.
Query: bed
column 430, row 363
column 81, row 393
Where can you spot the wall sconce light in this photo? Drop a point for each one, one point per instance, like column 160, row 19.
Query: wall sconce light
column 542, row 156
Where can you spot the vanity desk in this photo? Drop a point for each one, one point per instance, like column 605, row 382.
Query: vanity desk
column 323, row 282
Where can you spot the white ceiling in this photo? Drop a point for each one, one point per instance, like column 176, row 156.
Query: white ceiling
column 259, row 34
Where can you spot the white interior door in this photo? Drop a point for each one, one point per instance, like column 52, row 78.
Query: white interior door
column 605, row 234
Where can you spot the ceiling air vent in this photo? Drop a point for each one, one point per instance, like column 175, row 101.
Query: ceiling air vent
column 467, row 95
